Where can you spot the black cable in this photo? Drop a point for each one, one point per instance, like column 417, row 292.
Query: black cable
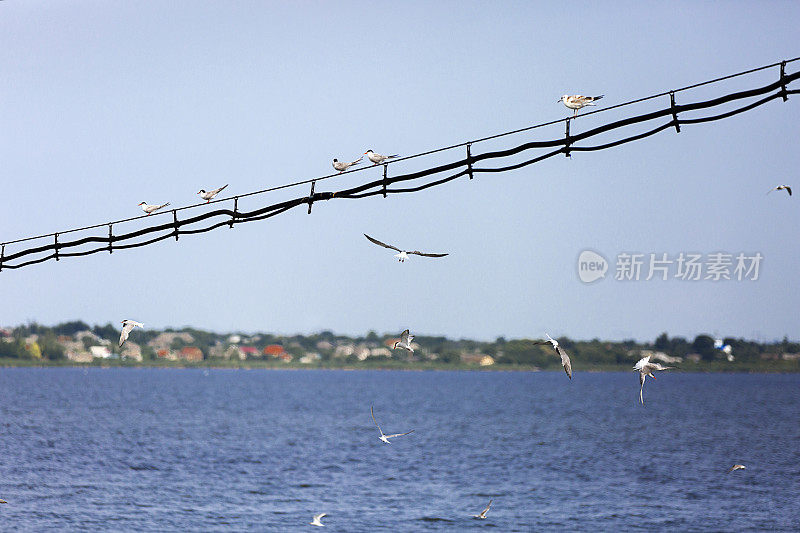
column 561, row 145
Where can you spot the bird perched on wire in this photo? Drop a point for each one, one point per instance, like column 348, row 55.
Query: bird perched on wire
column 577, row 101
column 341, row 166
column 127, row 326
column 782, row 188
column 150, row 209
column 208, row 195
column 645, row 368
column 565, row 362
column 403, row 255
column 378, row 158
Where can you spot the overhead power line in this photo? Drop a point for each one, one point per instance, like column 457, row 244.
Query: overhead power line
column 564, row 145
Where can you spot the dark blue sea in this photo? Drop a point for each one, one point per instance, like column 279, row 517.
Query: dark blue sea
column 236, row 450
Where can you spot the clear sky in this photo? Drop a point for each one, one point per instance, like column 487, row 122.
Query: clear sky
column 107, row 104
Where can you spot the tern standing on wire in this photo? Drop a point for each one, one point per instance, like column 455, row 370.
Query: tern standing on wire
column 208, row 195
column 341, row 166
column 577, row 101
column 645, row 368
column 385, row 438
column 127, row 326
column 378, row 158
column 403, row 255
column 150, row 209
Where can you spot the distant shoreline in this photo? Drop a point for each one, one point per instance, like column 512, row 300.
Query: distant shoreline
column 761, row 367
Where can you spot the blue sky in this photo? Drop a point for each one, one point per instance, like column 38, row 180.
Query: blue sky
column 107, row 104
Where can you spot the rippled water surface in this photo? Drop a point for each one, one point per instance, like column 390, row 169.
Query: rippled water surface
column 235, row 450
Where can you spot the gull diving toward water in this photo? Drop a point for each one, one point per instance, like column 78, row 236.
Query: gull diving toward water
column 577, row 101
column 645, row 368
column 736, row 467
column 403, row 255
column 317, row 518
column 208, row 195
column 404, row 342
column 127, row 326
column 341, row 166
column 378, row 158
column 385, row 438
column 483, row 513
column 565, row 362
column 782, row 188
column 150, row 209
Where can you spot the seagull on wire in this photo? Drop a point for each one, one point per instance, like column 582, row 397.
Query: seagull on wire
column 341, row 166
column 385, row 438
column 316, row 521
column 736, row 467
column 208, row 195
column 403, row 255
column 577, row 101
column 378, row 158
column 782, row 188
column 565, row 362
column 645, row 368
column 483, row 513
column 404, row 342
column 150, row 209
column 127, row 326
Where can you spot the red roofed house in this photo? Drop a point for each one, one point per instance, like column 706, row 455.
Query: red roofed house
column 249, row 351
column 274, row 350
column 191, row 353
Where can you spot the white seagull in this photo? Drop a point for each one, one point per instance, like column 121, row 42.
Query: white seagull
column 565, row 362
column 385, row 438
column 736, row 467
column 645, row 368
column 127, row 326
column 483, row 513
column 317, row 518
column 782, row 188
column 208, row 195
column 341, row 166
column 378, row 158
column 150, row 209
column 577, row 101
column 403, row 255
column 404, row 342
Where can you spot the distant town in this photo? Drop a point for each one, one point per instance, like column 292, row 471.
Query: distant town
column 79, row 343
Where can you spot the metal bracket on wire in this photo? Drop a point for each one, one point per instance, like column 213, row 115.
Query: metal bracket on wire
column 175, row 223
column 566, row 147
column 384, row 179
column 783, row 81
column 674, row 113
column 110, row 240
column 469, row 160
column 2, row 256
column 311, row 196
column 56, row 247
column 235, row 211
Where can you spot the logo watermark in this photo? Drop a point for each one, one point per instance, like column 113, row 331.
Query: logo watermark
column 661, row 266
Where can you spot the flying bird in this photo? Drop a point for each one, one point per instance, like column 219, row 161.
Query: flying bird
column 483, row 513
column 385, row 438
column 736, row 467
column 645, row 368
column 341, row 166
column 127, row 326
column 378, row 158
column 404, row 342
column 317, row 518
column 782, row 188
column 577, row 101
column 403, row 255
column 3, row 501
column 208, row 195
column 565, row 362
column 150, row 209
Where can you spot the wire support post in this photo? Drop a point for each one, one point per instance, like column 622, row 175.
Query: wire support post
column 469, row 160
column 2, row 256
column 56, row 246
column 674, row 111
column 175, row 224
column 311, row 196
column 568, row 141
column 384, row 179
column 235, row 211
column 783, row 92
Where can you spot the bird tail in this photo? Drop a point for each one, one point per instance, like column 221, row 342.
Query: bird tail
column 164, row 205
column 221, row 188
column 357, row 161
column 598, row 97
column 392, row 156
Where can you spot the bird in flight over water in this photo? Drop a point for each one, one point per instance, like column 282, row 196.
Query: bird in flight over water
column 645, row 368
column 317, row 518
column 565, row 362
column 383, row 437
column 781, row 188
column 483, row 513
column 736, row 467
column 404, row 342
column 127, row 326
column 403, row 255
